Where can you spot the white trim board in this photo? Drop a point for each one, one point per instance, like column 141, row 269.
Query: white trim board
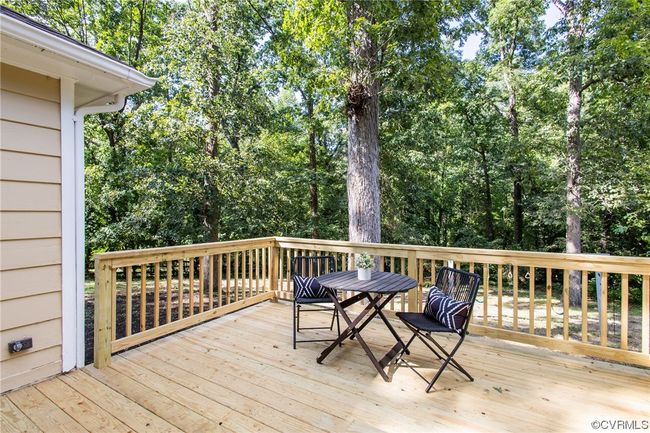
column 70, row 249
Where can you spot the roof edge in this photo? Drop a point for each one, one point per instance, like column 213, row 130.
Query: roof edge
column 22, row 28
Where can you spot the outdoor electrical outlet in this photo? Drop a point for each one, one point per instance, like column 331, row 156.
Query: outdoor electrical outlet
column 20, row 345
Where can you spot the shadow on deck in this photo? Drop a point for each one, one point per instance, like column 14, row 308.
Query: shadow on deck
column 239, row 373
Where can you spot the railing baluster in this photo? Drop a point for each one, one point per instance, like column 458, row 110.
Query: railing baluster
column 603, row 310
column 500, row 296
column 236, row 287
column 113, row 287
column 402, row 295
column 413, row 273
column 565, row 304
column 585, row 307
column 201, row 284
column 181, row 287
column 257, row 271
column 143, row 297
column 244, row 257
column 228, row 282
column 264, row 286
column 486, row 289
column 250, row 273
column 219, row 279
column 191, row 278
column 624, row 309
column 156, row 294
column 129, row 305
column 645, row 315
column 515, row 297
column 281, row 273
column 168, row 306
column 531, row 300
column 549, row 299
column 211, row 283
column 420, row 286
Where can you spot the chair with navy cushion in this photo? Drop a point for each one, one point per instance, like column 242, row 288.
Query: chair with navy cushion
column 308, row 295
column 448, row 310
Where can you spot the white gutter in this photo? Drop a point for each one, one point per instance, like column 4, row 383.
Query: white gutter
column 75, row 52
column 119, row 100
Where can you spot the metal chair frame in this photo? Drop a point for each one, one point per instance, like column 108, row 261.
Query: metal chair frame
column 317, row 265
column 460, row 286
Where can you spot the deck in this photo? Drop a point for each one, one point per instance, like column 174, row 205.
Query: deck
column 239, row 373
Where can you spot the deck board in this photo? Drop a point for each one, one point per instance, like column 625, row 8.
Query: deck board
column 240, row 373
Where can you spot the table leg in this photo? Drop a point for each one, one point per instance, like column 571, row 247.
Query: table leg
column 352, row 330
column 349, row 330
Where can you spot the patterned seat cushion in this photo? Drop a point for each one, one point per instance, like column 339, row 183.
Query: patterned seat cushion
column 446, row 310
column 308, row 287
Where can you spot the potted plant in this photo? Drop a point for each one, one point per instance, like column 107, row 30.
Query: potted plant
column 364, row 263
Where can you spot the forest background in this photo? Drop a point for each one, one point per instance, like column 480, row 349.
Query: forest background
column 246, row 132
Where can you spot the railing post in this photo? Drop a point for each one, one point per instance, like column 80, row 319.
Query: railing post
column 103, row 312
column 413, row 273
column 274, row 271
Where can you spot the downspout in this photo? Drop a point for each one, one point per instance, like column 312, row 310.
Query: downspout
column 119, row 100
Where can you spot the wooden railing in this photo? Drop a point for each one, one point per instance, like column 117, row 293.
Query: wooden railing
column 524, row 295
column 176, row 287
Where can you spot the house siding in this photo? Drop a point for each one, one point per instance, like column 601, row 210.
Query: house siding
column 30, row 225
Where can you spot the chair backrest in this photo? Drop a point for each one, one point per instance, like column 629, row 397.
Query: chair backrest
column 459, row 286
column 312, row 266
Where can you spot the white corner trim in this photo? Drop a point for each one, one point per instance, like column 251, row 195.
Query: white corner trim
column 76, row 167
column 70, row 311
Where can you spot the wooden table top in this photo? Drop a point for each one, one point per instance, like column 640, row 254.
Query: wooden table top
column 380, row 282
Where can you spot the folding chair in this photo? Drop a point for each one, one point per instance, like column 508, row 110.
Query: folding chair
column 448, row 310
column 308, row 292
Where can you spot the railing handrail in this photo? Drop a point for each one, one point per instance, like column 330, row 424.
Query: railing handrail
column 143, row 252
column 632, row 264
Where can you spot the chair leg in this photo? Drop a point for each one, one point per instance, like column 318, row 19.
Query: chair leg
column 333, row 316
column 405, row 349
column 297, row 318
column 449, row 359
column 452, row 361
column 294, row 325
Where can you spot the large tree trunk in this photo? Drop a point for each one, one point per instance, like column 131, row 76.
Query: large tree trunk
column 573, row 147
column 363, row 132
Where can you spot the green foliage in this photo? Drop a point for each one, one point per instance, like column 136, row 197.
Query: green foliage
column 364, row 261
column 219, row 148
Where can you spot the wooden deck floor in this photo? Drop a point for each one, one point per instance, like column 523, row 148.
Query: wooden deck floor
column 239, row 373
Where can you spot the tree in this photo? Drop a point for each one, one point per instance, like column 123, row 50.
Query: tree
column 512, row 29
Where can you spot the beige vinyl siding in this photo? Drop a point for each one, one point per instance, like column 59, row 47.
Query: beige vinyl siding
column 30, row 225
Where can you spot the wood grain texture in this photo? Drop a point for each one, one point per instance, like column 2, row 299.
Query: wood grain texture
column 240, row 373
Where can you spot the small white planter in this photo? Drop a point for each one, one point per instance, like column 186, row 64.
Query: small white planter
column 364, row 274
